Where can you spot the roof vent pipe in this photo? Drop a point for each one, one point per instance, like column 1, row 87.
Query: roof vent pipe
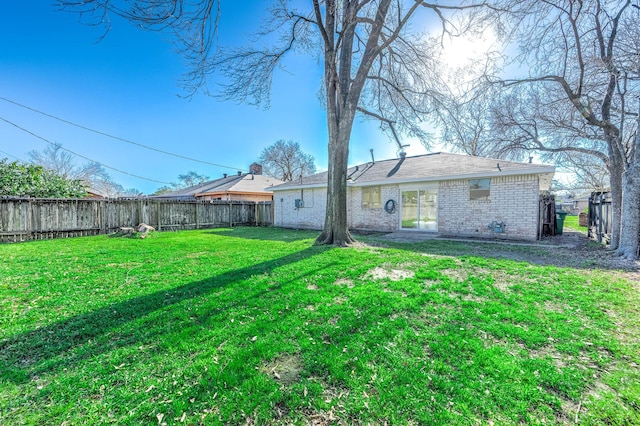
column 372, row 159
column 224, row 175
column 239, row 173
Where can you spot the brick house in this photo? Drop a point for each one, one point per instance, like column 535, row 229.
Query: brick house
column 252, row 186
column 448, row 194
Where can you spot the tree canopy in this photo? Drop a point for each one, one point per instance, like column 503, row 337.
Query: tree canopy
column 92, row 174
column 285, row 160
column 191, row 178
column 580, row 62
column 28, row 180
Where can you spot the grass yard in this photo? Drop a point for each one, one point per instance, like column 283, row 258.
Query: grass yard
column 259, row 326
column 571, row 222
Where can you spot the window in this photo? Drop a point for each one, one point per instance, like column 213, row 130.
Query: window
column 479, row 189
column 371, row 197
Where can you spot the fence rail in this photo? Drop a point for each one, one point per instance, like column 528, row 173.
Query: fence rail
column 600, row 216
column 24, row 219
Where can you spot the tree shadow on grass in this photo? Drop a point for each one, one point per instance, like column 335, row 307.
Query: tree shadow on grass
column 265, row 234
column 20, row 355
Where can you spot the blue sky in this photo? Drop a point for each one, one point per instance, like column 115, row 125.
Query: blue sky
column 127, row 85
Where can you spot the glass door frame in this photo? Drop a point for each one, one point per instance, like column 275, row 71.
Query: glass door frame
column 431, row 187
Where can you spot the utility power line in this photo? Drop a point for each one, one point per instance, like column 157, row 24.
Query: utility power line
column 118, row 138
column 80, row 155
column 11, row 155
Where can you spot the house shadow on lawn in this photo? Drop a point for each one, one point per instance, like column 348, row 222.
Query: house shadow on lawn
column 51, row 348
column 571, row 250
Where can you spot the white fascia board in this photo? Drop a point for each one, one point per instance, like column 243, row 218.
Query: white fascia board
column 292, row 187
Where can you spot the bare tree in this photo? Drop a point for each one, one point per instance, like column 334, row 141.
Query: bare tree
column 375, row 63
column 190, row 178
column 590, row 173
column 467, row 125
column 92, row 174
column 578, row 57
column 285, row 160
column 53, row 157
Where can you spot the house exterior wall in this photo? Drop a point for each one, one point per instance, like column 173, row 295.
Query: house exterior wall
column 312, row 214
column 373, row 219
column 513, row 200
column 309, row 216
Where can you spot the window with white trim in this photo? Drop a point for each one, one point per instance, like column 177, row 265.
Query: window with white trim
column 371, row 197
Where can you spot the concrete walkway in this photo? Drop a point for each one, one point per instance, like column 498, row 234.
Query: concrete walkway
column 569, row 239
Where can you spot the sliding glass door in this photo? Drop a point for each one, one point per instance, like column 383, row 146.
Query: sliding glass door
column 419, row 210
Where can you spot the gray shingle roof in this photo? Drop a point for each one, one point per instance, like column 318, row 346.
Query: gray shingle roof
column 428, row 167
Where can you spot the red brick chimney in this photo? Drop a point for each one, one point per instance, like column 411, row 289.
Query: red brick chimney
column 255, row 169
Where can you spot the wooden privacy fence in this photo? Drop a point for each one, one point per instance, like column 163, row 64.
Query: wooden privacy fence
column 23, row 219
column 600, row 216
column 546, row 215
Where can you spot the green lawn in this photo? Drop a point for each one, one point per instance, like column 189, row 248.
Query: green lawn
column 571, row 222
column 259, row 326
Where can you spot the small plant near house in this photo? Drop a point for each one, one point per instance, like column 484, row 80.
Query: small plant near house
column 261, row 326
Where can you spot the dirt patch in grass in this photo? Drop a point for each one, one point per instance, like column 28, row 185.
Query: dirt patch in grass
column 473, row 298
column 392, row 274
column 344, row 282
column 455, row 274
column 554, row 307
column 340, row 300
column 503, row 282
column 285, row 369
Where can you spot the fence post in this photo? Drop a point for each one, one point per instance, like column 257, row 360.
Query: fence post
column 102, row 227
column 256, row 212
column 230, row 218
column 600, row 220
column 158, row 210
column 31, row 220
column 196, row 221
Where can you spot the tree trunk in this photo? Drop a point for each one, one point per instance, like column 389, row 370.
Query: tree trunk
column 616, row 168
column 630, row 219
column 336, row 227
column 628, row 247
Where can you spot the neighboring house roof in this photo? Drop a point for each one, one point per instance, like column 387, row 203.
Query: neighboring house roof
column 429, row 167
column 234, row 184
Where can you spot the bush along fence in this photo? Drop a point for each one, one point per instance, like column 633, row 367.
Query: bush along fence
column 24, row 219
column 600, row 217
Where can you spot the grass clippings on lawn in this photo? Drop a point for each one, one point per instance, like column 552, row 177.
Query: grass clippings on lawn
column 259, row 326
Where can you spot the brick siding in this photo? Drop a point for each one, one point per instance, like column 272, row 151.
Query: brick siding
column 513, row 200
